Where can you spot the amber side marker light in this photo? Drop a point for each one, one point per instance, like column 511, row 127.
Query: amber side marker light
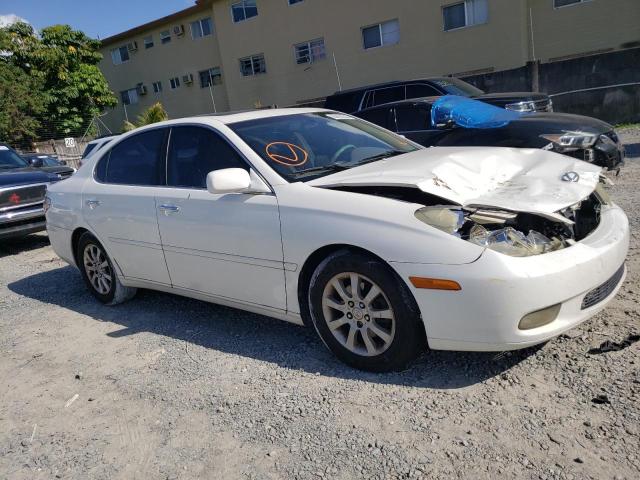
column 435, row 283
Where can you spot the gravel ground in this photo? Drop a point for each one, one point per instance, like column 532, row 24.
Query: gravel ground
column 165, row 387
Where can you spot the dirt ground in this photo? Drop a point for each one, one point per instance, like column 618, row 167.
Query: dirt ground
column 165, row 387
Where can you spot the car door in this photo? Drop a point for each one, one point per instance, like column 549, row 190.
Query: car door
column 118, row 203
column 226, row 245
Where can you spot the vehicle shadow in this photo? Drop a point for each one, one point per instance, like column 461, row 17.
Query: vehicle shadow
column 18, row 245
column 254, row 336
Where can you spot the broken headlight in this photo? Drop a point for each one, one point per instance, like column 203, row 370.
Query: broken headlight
column 493, row 229
column 449, row 220
column 568, row 140
column 513, row 242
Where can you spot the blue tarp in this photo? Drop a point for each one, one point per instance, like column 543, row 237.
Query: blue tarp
column 468, row 113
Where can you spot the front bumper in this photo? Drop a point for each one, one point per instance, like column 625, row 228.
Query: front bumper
column 497, row 291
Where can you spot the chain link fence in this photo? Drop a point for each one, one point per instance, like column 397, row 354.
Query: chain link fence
column 67, row 147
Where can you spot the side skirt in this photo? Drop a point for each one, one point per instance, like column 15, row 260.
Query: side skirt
column 227, row 302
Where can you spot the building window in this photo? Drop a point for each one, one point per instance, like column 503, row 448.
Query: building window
column 387, row 33
column 253, row 65
column 309, row 52
column 174, row 82
column 566, row 3
column 244, row 10
column 210, row 77
column 201, row 28
column 148, row 41
column 293, row 2
column 465, row 14
column 165, row 37
column 120, row 55
column 129, row 97
column 157, row 87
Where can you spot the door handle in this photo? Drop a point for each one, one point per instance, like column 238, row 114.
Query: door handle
column 169, row 209
column 93, row 203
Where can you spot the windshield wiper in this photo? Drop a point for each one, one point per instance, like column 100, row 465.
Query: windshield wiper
column 382, row 156
column 334, row 167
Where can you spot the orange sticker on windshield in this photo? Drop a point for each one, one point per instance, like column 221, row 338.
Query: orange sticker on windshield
column 287, row 154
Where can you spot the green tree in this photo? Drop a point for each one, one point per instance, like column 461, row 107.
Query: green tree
column 21, row 104
column 154, row 114
column 65, row 63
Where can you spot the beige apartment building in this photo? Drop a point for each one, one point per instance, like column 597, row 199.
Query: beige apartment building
column 221, row 55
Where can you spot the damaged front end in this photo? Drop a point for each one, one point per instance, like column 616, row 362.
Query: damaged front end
column 518, row 234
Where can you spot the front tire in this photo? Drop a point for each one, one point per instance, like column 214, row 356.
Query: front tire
column 364, row 313
column 98, row 272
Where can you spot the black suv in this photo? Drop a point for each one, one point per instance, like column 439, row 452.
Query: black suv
column 581, row 137
column 356, row 99
column 22, row 191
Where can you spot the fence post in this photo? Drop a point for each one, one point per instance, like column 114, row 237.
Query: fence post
column 534, row 73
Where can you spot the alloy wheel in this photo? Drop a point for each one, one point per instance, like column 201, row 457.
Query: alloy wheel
column 358, row 314
column 97, row 269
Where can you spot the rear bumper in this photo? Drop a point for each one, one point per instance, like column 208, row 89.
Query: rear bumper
column 497, row 291
column 60, row 239
column 21, row 222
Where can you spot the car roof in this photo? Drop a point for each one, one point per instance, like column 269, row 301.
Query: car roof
column 228, row 118
column 391, row 84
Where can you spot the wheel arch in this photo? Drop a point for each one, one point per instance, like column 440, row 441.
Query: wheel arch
column 311, row 264
column 75, row 238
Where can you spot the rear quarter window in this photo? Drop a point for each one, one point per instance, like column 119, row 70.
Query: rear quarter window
column 138, row 160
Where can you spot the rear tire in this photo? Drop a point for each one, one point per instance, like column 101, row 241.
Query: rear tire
column 377, row 326
column 98, row 272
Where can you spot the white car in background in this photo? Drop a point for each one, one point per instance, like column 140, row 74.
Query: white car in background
column 95, row 145
column 318, row 217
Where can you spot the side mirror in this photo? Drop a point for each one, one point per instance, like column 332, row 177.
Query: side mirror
column 228, row 180
column 446, row 126
column 235, row 180
column 37, row 162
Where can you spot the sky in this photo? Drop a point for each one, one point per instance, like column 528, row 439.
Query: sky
column 97, row 18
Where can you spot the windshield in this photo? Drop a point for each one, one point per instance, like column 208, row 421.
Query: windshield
column 10, row 159
column 311, row 145
column 455, row 86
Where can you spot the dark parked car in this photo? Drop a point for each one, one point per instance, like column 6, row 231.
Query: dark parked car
column 356, row 99
column 463, row 122
column 40, row 160
column 22, row 191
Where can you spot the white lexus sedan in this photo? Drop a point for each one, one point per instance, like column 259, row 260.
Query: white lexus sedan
column 320, row 218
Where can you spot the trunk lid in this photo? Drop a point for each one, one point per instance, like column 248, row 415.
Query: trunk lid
column 520, row 180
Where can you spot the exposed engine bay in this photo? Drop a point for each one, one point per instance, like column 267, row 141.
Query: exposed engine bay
column 517, row 234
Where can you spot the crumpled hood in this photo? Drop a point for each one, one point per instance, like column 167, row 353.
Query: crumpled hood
column 520, row 180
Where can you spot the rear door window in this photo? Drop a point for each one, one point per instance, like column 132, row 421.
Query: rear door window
column 138, row 160
column 196, row 151
column 413, row 118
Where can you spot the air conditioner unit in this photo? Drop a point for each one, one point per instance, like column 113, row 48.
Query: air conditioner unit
column 132, row 46
column 141, row 89
column 178, row 30
column 188, row 78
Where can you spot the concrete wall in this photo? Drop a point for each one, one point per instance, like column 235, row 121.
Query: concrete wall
column 504, row 43
column 181, row 56
column 585, row 27
column 424, row 48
